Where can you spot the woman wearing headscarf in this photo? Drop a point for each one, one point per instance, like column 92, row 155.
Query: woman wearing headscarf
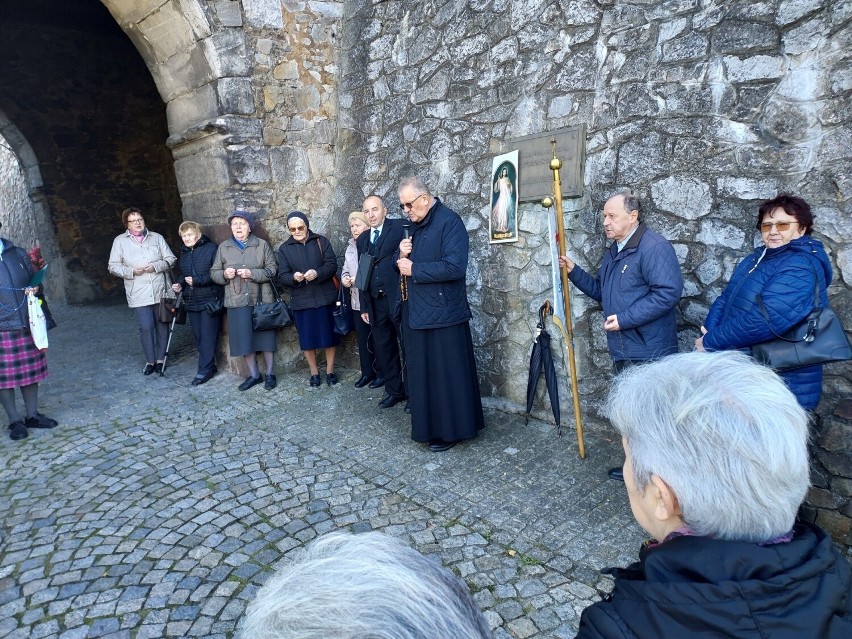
column 366, row 351
column 244, row 263
column 199, row 290
column 307, row 265
column 781, row 276
column 22, row 364
column 141, row 258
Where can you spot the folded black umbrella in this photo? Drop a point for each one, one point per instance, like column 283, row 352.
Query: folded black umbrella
column 541, row 359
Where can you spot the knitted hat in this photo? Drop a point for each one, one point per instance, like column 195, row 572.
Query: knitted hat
column 248, row 217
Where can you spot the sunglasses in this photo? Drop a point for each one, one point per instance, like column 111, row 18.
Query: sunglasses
column 765, row 227
column 407, row 205
column 297, row 229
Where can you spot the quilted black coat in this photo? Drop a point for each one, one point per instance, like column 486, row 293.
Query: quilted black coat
column 702, row 588
column 784, row 277
column 437, row 296
column 195, row 262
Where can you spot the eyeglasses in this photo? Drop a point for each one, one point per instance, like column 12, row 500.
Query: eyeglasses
column 297, row 229
column 407, row 205
column 135, row 220
column 765, row 227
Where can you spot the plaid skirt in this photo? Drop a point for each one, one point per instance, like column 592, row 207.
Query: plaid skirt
column 21, row 363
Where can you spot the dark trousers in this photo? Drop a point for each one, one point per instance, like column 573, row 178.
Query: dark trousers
column 206, row 331
column 621, row 365
column 387, row 345
column 153, row 333
column 366, row 347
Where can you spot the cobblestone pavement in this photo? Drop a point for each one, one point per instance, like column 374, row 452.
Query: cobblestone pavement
column 157, row 509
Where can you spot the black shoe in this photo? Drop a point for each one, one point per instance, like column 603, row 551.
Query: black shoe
column 250, row 381
column 363, row 381
column 158, row 367
column 149, row 368
column 391, row 400
column 407, row 409
column 330, row 379
column 17, row 430
column 616, row 473
column 270, row 382
column 203, row 378
column 439, row 446
column 315, row 380
column 378, row 382
column 40, row 421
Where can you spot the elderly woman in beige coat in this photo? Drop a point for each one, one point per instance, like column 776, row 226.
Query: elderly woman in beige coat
column 141, row 258
column 244, row 264
column 366, row 351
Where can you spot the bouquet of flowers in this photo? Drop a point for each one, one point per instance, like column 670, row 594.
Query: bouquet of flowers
column 36, row 257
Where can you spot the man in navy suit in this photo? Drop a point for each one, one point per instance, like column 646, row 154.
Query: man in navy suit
column 382, row 296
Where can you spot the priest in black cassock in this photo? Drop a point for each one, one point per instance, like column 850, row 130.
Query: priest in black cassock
column 443, row 387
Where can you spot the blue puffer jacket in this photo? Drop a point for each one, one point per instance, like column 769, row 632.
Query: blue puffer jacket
column 784, row 278
column 437, row 296
column 641, row 284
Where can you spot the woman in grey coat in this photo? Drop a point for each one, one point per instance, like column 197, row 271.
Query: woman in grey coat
column 243, row 264
column 141, row 258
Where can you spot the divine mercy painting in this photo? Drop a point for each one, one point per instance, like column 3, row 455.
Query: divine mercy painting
column 503, row 220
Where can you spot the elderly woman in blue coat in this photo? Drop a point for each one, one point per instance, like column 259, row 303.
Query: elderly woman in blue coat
column 783, row 273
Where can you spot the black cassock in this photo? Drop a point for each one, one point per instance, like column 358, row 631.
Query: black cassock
column 443, row 387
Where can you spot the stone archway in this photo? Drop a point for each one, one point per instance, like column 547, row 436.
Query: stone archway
column 32, row 224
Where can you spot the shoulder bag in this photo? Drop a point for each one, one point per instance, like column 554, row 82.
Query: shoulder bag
column 365, row 270
column 343, row 324
column 171, row 308
column 273, row 315
column 817, row 339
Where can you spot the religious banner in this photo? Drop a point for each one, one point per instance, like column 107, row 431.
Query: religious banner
column 558, row 294
column 503, row 219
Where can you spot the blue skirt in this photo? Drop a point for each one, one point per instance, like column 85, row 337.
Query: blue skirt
column 315, row 327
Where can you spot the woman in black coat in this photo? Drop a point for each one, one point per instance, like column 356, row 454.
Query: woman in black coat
column 200, row 293
column 306, row 265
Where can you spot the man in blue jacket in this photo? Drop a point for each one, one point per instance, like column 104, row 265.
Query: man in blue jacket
column 638, row 284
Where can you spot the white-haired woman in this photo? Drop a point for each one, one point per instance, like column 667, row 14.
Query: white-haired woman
column 716, row 467
column 367, row 585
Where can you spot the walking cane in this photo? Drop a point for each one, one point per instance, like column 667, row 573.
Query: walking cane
column 178, row 302
column 568, row 333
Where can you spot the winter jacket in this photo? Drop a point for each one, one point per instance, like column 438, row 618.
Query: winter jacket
column 127, row 253
column 350, row 269
column 316, row 253
column 784, row 277
column 703, row 588
column 256, row 256
column 15, row 273
column 641, row 284
column 195, row 262
column 437, row 293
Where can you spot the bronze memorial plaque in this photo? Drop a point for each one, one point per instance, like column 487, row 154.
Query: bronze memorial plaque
column 535, row 152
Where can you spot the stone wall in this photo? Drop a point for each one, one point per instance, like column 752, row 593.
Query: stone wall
column 705, row 108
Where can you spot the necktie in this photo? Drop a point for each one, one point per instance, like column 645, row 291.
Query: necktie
column 375, row 236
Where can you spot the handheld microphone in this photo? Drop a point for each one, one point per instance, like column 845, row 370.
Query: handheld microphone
column 405, row 231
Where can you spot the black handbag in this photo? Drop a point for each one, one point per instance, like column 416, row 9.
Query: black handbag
column 273, row 315
column 817, row 339
column 215, row 307
column 365, row 270
column 343, row 323
column 171, row 309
